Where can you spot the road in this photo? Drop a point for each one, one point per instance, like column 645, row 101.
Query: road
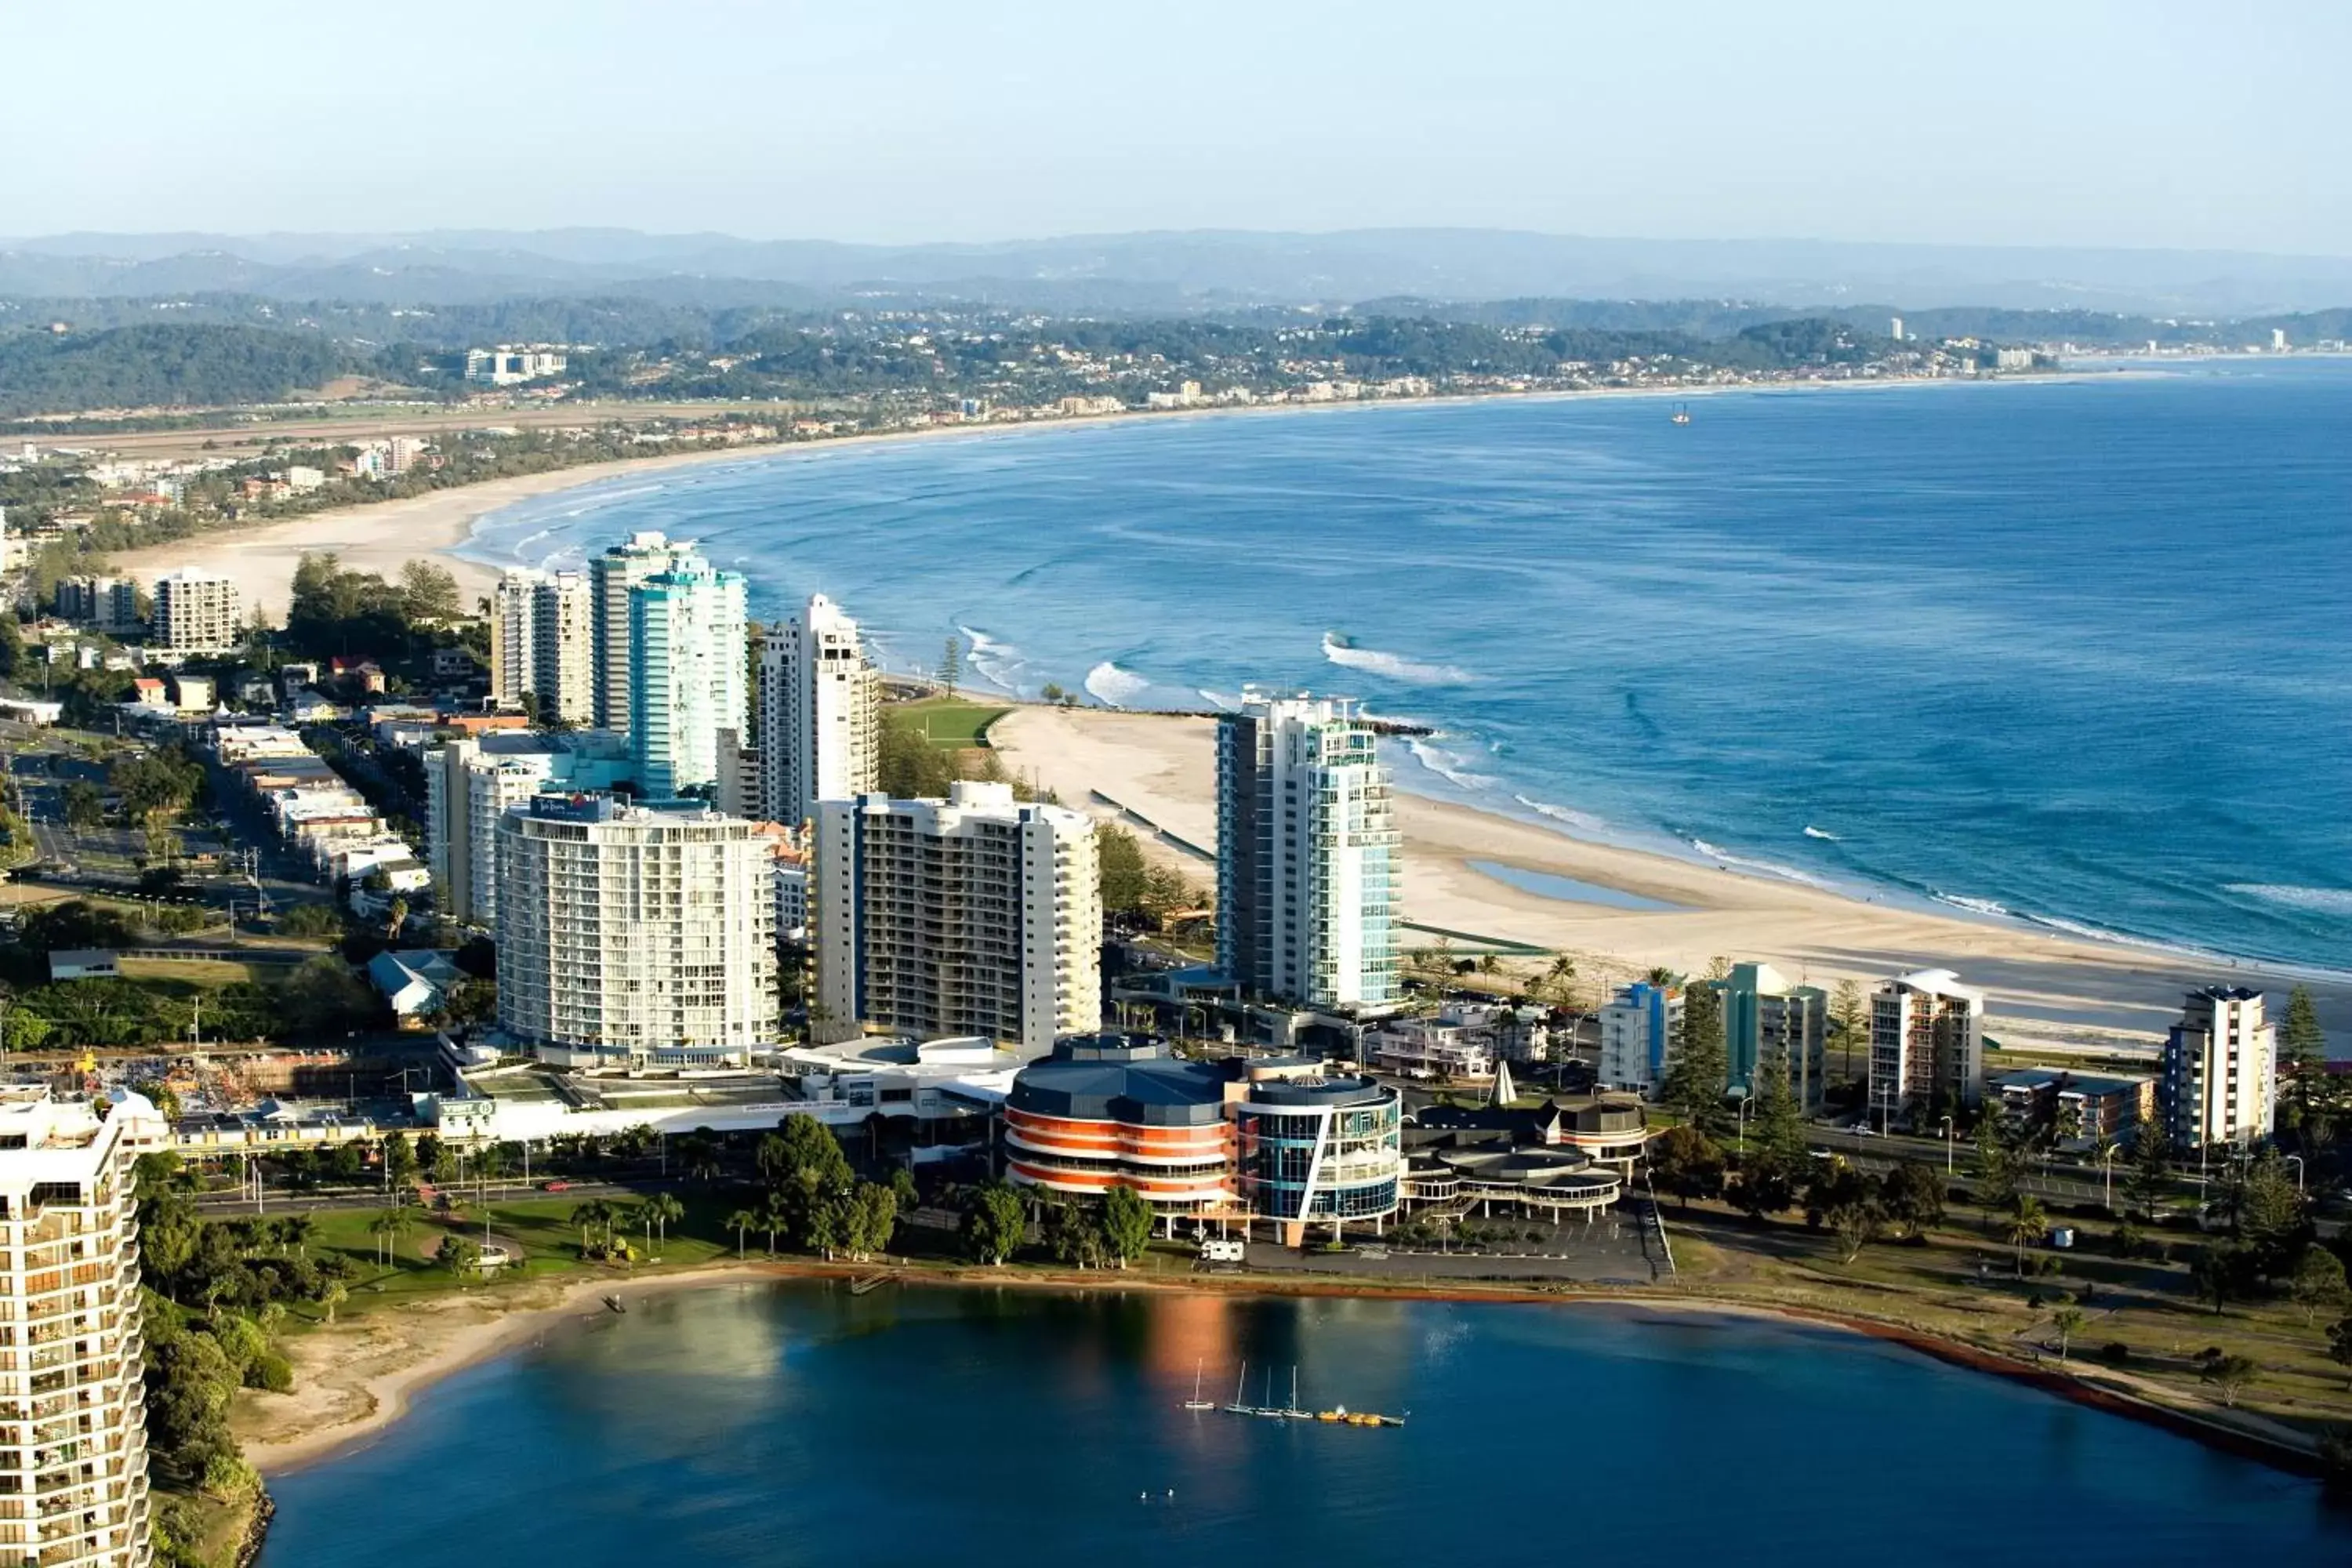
column 41, row 763
column 365, row 423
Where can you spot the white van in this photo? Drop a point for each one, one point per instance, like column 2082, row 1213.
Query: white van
column 1214, row 1250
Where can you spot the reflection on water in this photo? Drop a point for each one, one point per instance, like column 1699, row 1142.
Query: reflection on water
column 794, row 1424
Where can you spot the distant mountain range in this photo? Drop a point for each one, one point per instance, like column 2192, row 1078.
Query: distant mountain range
column 1162, row 272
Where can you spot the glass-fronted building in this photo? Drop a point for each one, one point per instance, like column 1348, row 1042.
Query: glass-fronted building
column 1309, row 1150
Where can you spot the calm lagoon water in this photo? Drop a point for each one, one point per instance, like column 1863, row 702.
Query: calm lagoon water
column 792, row 1424
column 2075, row 651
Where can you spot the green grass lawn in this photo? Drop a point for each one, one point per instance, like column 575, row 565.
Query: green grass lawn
column 954, row 722
column 540, row 1226
column 184, row 978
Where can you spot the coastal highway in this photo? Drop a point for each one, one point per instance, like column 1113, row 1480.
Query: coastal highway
column 223, row 1205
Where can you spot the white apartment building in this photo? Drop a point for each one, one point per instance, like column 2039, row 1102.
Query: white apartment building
column 819, row 714
column 1641, row 1031
column 541, row 639
column 974, row 915
column 73, row 1422
column 509, row 364
column 469, row 784
column 2221, row 1069
column 1927, row 1046
column 687, row 677
column 1306, row 853
column 196, row 611
column 631, row 937
column 612, row 576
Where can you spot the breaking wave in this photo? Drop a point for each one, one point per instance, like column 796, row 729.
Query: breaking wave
column 1114, row 687
column 1450, row 766
column 2320, row 901
column 1821, row 833
column 1763, row 867
column 1395, row 667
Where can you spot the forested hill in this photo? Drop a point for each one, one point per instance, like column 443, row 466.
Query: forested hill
column 162, row 364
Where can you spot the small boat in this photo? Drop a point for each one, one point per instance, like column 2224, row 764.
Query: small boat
column 1196, row 1402
column 1682, row 414
column 1294, row 1413
column 1237, row 1407
column 614, row 1302
column 1339, row 1413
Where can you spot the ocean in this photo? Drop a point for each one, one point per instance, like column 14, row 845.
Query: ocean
column 779, row 1424
column 2072, row 652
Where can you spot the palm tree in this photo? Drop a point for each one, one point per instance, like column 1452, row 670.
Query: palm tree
column 2028, row 1226
column 666, row 1211
column 741, row 1222
column 592, row 1216
column 774, row 1217
column 2068, row 1320
column 296, row 1230
column 389, row 1226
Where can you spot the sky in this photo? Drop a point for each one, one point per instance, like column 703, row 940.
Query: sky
column 2147, row 124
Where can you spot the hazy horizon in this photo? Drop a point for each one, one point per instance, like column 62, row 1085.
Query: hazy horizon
column 2155, row 126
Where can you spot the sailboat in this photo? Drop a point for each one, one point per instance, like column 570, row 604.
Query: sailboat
column 1294, row 1412
column 1682, row 414
column 1270, row 1408
column 1237, row 1407
column 1196, row 1402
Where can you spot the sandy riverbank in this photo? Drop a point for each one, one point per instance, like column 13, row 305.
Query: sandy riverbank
column 356, row 1377
column 1164, row 766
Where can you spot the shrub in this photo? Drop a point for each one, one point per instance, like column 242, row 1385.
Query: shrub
column 270, row 1370
column 2115, row 1353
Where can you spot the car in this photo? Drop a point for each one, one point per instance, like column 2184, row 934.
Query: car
column 558, row 1185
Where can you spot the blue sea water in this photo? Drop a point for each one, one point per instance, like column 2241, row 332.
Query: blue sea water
column 790, row 1425
column 2076, row 651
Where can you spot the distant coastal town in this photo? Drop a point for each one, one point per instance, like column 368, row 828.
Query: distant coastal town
column 399, row 947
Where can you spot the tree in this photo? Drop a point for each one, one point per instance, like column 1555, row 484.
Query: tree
column 2232, row 1375
column 2029, row 1226
column 1126, row 1225
column 995, row 1224
column 2219, row 1272
column 1850, row 1021
column 2068, row 1319
column 1772, row 1171
column 1120, row 860
column 1912, row 1195
column 332, row 1295
column 872, row 1215
column 2317, row 1282
column 1697, row 1078
column 399, row 1160
column 83, row 806
column 2151, row 1172
column 1999, row 1161
column 951, row 663
column 2270, row 1215
column 461, row 1256
column 2301, row 1057
column 743, row 1222
column 1854, row 1222
column 593, row 1216
column 2339, row 1347
column 323, row 997
column 429, row 593
column 1074, row 1236
column 665, row 1210
column 902, row 1188
column 1687, row 1164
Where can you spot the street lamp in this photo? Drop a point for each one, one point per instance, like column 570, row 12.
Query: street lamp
column 1744, row 1099
column 1947, row 1143
column 2298, row 1172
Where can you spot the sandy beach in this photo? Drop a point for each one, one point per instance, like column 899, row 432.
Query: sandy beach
column 357, row 1377
column 2042, row 988
column 383, row 536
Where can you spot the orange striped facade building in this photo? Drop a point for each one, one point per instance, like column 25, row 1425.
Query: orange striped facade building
column 1229, row 1139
